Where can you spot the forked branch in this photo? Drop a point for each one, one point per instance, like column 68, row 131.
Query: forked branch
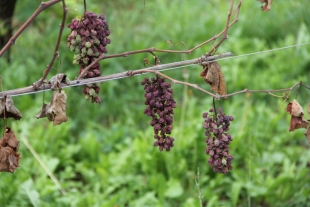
column 56, row 52
column 12, row 41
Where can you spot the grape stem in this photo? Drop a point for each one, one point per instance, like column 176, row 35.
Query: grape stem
column 215, row 113
column 85, row 6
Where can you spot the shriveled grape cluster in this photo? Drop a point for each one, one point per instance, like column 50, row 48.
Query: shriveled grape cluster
column 218, row 140
column 88, row 40
column 160, row 104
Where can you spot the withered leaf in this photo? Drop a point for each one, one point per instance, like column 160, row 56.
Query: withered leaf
column 295, row 109
column 8, row 109
column 297, row 123
column 56, row 110
column 213, row 75
column 9, row 158
column 267, row 5
column 42, row 113
column 56, row 81
column 10, row 138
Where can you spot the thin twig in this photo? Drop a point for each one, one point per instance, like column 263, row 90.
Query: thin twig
column 228, row 25
column 56, row 53
column 42, row 6
column 38, row 158
column 298, row 90
column 306, row 86
column 217, row 96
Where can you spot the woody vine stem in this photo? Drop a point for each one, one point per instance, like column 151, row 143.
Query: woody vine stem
column 88, row 39
column 37, row 86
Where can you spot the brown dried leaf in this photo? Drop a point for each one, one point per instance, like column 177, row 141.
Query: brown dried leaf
column 56, row 110
column 10, row 110
column 267, row 5
column 213, row 75
column 10, row 138
column 295, row 109
column 288, row 108
column 9, row 158
column 297, row 123
column 56, row 81
column 42, row 113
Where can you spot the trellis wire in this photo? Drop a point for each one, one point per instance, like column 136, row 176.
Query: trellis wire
column 126, row 74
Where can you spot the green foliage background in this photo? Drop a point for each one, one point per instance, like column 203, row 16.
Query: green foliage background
column 104, row 156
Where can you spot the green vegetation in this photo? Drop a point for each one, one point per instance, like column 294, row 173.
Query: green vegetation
column 104, row 155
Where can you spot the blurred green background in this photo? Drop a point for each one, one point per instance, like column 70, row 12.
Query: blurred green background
column 104, row 155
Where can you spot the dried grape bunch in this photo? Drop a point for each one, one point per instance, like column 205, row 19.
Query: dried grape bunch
column 218, row 140
column 88, row 40
column 160, row 104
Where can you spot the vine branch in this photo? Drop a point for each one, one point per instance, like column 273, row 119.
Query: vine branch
column 56, row 52
column 33, row 89
column 12, row 41
column 217, row 96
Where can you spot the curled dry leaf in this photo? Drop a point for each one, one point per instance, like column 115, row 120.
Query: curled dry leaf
column 42, row 113
column 295, row 109
column 296, row 112
column 9, row 158
column 297, row 123
column 56, row 81
column 56, row 110
column 267, row 5
column 213, row 75
column 8, row 109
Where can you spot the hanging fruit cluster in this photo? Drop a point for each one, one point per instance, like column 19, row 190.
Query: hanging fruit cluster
column 160, row 105
column 218, row 139
column 88, row 40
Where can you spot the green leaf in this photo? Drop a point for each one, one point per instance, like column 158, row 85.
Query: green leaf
column 28, row 188
column 174, row 189
column 235, row 192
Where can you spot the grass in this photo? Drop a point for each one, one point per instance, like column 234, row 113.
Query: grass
column 103, row 156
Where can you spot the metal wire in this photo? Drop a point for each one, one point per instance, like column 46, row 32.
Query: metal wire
column 162, row 67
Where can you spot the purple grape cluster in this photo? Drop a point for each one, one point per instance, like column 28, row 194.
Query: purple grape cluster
column 218, row 140
column 160, row 104
column 88, row 40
